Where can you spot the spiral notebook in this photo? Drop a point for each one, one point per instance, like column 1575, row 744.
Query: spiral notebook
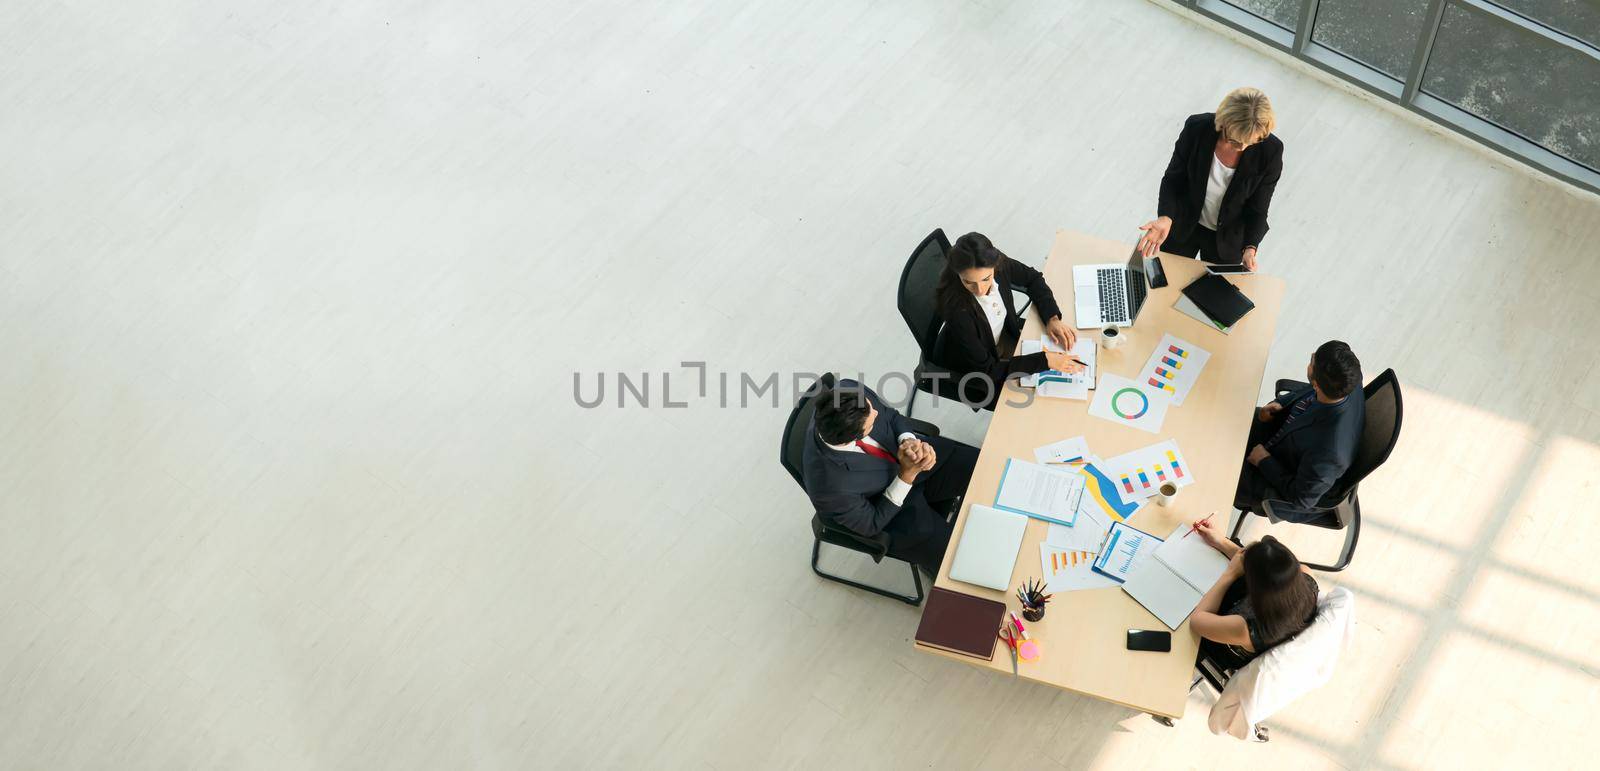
column 1179, row 572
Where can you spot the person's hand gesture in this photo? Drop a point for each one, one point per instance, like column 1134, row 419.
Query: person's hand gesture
column 927, row 457
column 1155, row 233
column 1265, row 414
column 1250, row 258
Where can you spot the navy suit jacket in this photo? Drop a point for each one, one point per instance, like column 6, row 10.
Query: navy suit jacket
column 847, row 487
column 1307, row 461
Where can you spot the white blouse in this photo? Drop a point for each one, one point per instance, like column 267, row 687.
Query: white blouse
column 994, row 309
column 1216, row 188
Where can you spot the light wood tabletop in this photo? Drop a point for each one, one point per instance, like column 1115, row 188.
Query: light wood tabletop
column 1083, row 633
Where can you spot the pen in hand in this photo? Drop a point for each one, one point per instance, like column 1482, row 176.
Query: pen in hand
column 1196, row 526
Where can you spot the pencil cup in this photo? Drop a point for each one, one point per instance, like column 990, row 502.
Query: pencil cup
column 1111, row 338
column 1166, row 493
column 1033, row 613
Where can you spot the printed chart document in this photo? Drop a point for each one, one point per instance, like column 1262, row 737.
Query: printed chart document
column 1058, row 384
column 1139, row 474
column 1087, row 534
column 1076, row 448
column 1126, row 549
column 1041, row 492
column 1130, row 403
column 1179, row 572
column 1068, row 570
column 1174, row 367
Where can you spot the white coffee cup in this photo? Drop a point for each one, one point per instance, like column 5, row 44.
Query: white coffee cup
column 1111, row 338
column 1165, row 493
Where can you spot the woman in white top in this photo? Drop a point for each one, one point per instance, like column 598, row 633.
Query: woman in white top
column 1219, row 184
column 981, row 327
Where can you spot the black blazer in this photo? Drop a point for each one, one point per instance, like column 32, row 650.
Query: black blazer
column 847, row 487
column 965, row 343
column 1308, row 461
column 1242, row 219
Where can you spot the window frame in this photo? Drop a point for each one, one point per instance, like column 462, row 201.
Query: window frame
column 1408, row 93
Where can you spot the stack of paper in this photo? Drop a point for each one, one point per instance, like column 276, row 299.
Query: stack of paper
column 1067, row 570
column 1126, row 548
column 1139, row 474
column 1042, row 492
column 1187, row 307
column 1057, row 384
column 1130, row 403
column 1074, row 449
column 1181, row 570
column 1174, row 367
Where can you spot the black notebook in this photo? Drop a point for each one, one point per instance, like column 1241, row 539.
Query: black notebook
column 1219, row 299
column 960, row 623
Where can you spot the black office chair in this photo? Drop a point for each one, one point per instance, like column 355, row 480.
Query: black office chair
column 791, row 454
column 1340, row 508
column 918, row 301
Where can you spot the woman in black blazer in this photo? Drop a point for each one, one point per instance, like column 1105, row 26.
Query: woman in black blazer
column 980, row 322
column 1219, row 183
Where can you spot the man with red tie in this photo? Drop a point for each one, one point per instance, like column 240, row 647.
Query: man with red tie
column 866, row 470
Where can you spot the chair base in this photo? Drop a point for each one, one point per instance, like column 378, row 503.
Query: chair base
column 916, row 577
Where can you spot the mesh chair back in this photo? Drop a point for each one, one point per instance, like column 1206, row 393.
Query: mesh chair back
column 917, row 299
column 1381, row 430
column 791, row 451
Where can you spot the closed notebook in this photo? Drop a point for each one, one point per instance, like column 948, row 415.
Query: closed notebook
column 1219, row 299
column 987, row 551
column 960, row 623
column 1179, row 572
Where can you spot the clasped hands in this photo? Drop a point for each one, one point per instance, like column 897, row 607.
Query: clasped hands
column 915, row 456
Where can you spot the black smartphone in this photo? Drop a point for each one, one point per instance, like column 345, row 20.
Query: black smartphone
column 1146, row 640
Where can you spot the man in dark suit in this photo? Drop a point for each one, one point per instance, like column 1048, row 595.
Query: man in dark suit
column 1302, row 444
column 866, row 470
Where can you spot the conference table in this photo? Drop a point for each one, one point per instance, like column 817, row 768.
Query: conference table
column 1083, row 633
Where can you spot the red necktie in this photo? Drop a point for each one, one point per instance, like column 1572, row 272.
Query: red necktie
column 878, row 451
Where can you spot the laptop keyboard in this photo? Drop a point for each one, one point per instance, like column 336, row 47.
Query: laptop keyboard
column 1113, row 294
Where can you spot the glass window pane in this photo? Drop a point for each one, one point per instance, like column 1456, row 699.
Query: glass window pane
column 1283, row 13
column 1378, row 33
column 1521, row 81
column 1578, row 18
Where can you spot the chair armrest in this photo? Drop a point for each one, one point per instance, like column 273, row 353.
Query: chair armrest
column 923, row 427
column 876, row 546
column 1319, row 511
column 1288, row 386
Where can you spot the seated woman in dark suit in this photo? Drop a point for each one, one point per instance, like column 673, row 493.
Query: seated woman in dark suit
column 1264, row 598
column 1219, row 183
column 980, row 322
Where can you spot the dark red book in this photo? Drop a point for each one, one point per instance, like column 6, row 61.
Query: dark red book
column 960, row 623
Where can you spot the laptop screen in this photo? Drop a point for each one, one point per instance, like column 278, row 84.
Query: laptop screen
column 1138, row 285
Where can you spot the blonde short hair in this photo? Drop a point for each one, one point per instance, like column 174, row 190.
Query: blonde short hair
column 1245, row 115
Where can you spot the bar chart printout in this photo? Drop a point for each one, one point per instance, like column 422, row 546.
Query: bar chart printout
column 1139, row 474
column 1173, row 367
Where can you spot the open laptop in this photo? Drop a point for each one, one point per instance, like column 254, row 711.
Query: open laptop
column 1109, row 295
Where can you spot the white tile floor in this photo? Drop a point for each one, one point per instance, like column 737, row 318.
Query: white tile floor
column 291, row 299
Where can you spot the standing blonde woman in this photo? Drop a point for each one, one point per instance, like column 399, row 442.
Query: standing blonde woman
column 1218, row 185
